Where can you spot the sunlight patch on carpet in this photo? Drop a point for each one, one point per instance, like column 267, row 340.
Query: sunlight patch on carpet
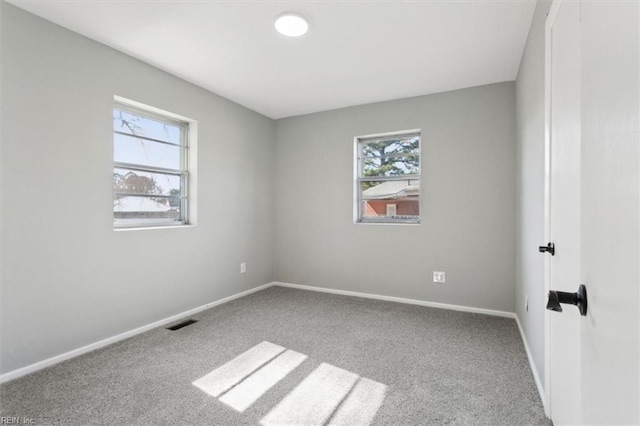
column 225, row 377
column 361, row 405
column 328, row 395
column 313, row 400
column 253, row 387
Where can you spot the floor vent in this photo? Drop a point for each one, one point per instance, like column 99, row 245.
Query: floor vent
column 182, row 324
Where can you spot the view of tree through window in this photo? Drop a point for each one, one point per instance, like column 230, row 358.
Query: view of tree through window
column 388, row 187
column 150, row 171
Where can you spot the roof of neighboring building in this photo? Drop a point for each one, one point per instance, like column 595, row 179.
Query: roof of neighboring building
column 393, row 189
column 139, row 204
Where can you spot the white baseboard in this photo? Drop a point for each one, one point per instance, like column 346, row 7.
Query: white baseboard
column 534, row 369
column 400, row 300
column 102, row 343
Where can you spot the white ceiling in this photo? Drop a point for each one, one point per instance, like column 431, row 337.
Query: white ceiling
column 355, row 52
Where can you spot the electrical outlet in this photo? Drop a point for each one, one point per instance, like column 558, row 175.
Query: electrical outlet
column 439, row 277
column 243, row 268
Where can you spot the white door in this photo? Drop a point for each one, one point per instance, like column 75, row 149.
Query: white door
column 610, row 180
column 563, row 385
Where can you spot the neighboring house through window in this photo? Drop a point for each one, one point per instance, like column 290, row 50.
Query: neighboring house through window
column 150, row 169
column 388, row 178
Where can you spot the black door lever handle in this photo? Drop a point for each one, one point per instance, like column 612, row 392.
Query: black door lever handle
column 579, row 299
column 549, row 248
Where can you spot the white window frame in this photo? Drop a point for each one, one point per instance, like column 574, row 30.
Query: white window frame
column 359, row 141
column 184, row 172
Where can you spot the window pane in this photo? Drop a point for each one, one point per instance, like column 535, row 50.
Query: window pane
column 391, row 166
column 391, row 199
column 394, row 146
column 147, row 183
column 127, row 149
column 132, row 124
column 143, row 208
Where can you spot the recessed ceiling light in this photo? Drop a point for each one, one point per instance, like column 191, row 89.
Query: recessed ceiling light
column 291, row 24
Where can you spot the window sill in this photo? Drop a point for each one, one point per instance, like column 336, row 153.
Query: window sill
column 146, row 228
column 388, row 223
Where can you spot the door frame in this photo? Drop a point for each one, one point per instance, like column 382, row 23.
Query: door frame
column 551, row 17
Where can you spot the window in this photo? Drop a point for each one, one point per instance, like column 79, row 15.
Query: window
column 150, row 168
column 388, row 178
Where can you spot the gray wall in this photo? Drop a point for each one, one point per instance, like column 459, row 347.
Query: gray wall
column 68, row 278
column 530, row 188
column 468, row 201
